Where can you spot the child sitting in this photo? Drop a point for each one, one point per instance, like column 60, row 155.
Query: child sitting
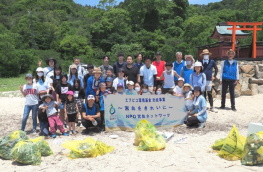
column 52, row 114
column 178, row 90
column 71, row 110
column 188, row 94
column 145, row 90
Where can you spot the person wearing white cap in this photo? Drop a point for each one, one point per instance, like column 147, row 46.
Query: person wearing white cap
column 198, row 78
column 90, row 113
column 130, row 90
column 41, row 84
column 178, row 89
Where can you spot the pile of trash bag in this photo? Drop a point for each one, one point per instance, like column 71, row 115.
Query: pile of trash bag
column 26, row 152
column 86, row 148
column 9, row 141
column 147, row 138
column 253, row 152
column 43, row 146
column 231, row 147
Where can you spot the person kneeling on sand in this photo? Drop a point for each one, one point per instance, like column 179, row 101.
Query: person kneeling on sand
column 53, row 118
column 90, row 113
column 198, row 116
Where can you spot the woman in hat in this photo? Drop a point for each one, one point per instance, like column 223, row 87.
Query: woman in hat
column 74, row 75
column 29, row 91
column 208, row 67
column 94, row 81
column 198, row 116
column 187, row 70
column 229, row 78
column 198, row 78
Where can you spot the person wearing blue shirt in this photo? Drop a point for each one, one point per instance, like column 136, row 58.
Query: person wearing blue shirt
column 94, row 81
column 139, row 62
column 198, row 116
column 90, row 113
column 198, row 78
column 187, row 70
column 208, row 66
column 229, row 78
column 130, row 90
column 177, row 65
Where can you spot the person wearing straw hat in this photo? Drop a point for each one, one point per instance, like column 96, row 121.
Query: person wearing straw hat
column 229, row 78
column 208, row 67
column 80, row 70
column 177, row 65
column 188, row 94
column 94, row 81
column 188, row 69
column 198, row 78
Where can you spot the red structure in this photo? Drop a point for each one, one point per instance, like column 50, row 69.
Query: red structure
column 245, row 24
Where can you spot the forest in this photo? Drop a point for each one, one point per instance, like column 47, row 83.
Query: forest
column 31, row 30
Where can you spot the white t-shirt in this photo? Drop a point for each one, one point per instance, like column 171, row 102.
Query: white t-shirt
column 116, row 81
column 31, row 94
column 187, row 96
column 148, row 74
column 178, row 90
column 168, row 80
column 41, row 86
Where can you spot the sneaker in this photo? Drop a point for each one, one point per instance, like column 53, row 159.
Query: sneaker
column 65, row 134
column 53, row 135
column 234, row 109
column 97, row 130
column 222, row 107
column 70, row 132
column 94, row 123
column 34, row 131
column 213, row 110
column 81, row 126
column 201, row 125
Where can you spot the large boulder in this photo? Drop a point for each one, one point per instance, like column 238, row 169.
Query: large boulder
column 260, row 89
column 256, row 81
column 246, row 68
column 259, row 71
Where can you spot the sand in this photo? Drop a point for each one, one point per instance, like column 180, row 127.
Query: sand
column 193, row 154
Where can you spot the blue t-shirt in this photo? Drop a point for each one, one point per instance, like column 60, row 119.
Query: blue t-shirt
column 186, row 73
column 101, row 99
column 177, row 68
column 90, row 111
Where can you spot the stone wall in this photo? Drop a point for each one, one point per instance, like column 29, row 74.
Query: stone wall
column 250, row 79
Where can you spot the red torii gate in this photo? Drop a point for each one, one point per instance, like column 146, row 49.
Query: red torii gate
column 245, row 24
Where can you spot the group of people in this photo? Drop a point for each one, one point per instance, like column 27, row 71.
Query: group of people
column 61, row 100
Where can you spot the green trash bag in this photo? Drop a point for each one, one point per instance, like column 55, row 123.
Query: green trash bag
column 9, row 141
column 26, row 152
column 147, row 138
column 253, row 152
column 43, row 146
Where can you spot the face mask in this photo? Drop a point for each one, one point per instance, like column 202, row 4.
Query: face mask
column 206, row 57
column 158, row 92
column 188, row 62
column 29, row 81
column 40, row 74
column 137, row 89
column 144, row 90
column 57, row 77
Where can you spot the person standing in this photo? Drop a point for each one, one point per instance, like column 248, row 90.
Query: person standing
column 148, row 74
column 198, row 78
column 90, row 69
column 105, row 66
column 229, row 78
column 139, row 63
column 93, row 82
column 74, row 75
column 131, row 72
column 119, row 64
column 160, row 66
column 29, row 91
column 119, row 79
column 49, row 70
column 80, row 70
column 188, row 69
column 178, row 64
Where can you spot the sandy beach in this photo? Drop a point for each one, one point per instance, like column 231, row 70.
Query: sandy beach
column 193, row 154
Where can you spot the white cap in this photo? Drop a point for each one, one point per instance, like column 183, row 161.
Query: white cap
column 180, row 79
column 197, row 63
column 91, row 97
column 130, row 83
column 40, row 69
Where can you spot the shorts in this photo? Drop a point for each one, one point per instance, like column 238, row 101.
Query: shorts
column 62, row 104
column 72, row 117
column 208, row 86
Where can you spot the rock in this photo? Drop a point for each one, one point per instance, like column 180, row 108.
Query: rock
column 252, row 72
column 238, row 90
column 256, row 81
column 244, row 83
column 247, row 68
column 247, row 75
column 254, row 89
column 258, row 71
column 246, row 92
column 260, row 89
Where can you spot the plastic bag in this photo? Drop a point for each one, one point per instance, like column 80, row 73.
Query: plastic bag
column 87, row 148
column 9, row 141
column 43, row 146
column 147, row 138
column 253, row 152
column 26, row 152
column 231, row 148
